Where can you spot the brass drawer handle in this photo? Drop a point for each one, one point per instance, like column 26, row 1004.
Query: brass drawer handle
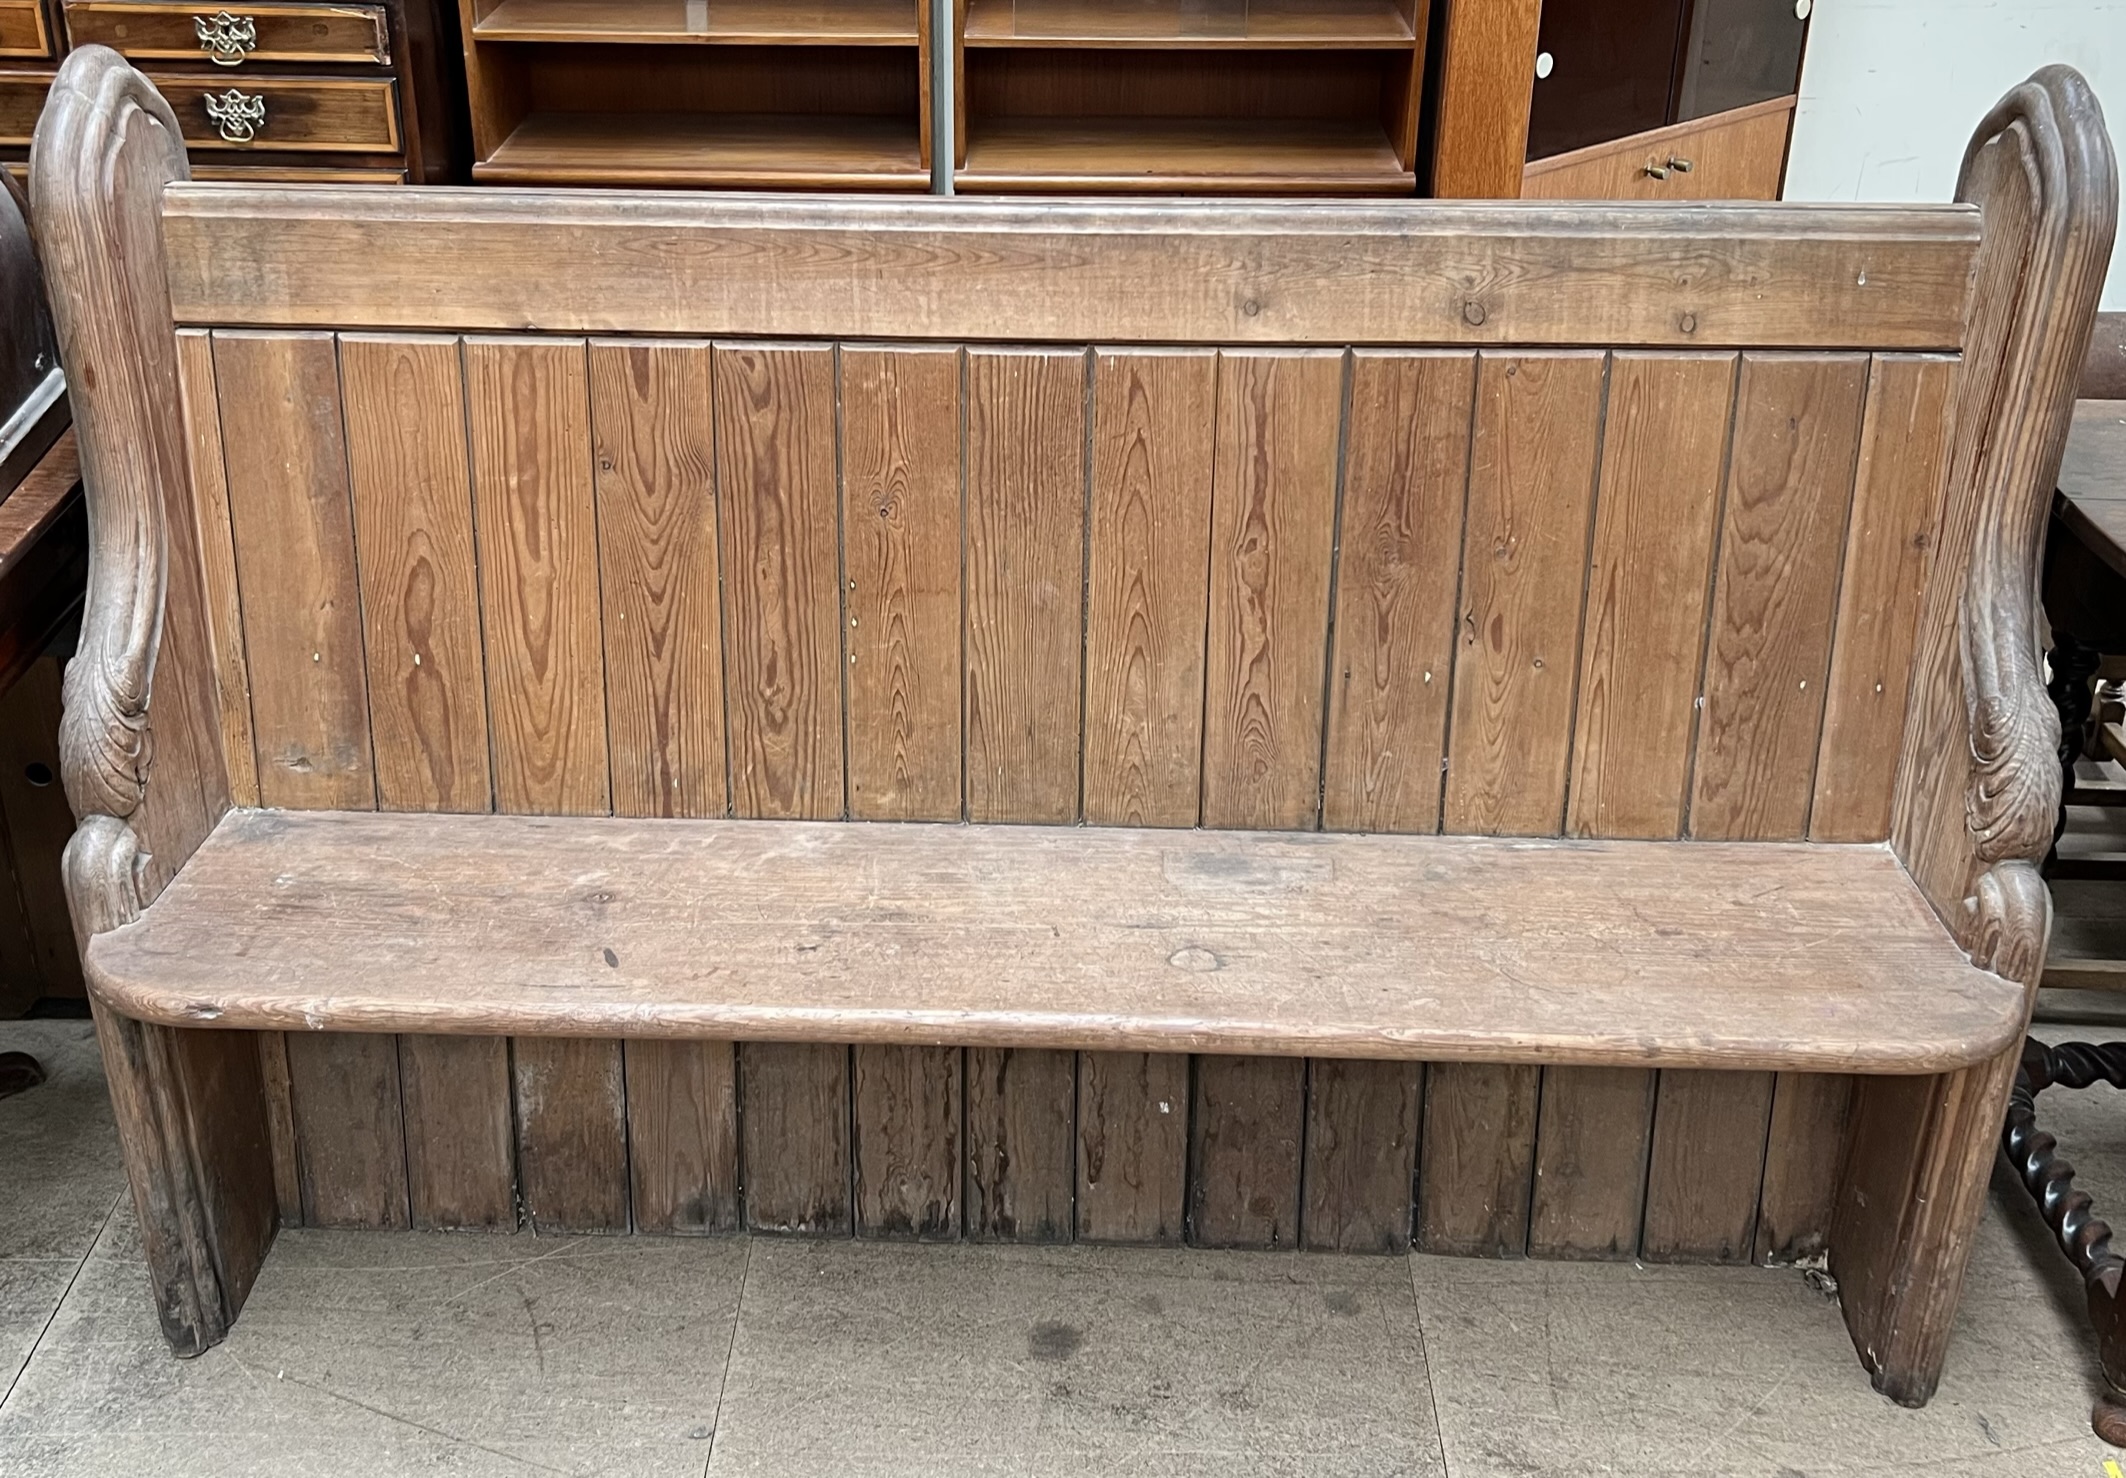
column 237, row 116
column 1661, row 171
column 226, row 39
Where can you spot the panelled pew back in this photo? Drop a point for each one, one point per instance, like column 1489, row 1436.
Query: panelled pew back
column 1541, row 522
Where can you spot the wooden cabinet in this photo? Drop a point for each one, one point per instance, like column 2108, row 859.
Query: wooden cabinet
column 356, row 93
column 1303, row 97
column 754, row 94
column 1731, row 156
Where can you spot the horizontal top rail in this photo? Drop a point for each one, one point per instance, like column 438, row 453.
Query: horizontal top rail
column 1680, row 276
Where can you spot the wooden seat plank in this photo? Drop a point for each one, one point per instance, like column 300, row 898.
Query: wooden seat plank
column 1798, row 956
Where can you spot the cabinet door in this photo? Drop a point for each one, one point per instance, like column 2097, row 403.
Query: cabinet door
column 1612, row 71
column 1739, row 155
column 1740, row 52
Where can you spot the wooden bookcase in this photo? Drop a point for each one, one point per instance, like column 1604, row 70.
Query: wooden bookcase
column 1288, row 97
column 745, row 94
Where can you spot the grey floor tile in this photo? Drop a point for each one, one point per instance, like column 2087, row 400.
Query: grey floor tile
column 389, row 1353
column 862, row 1359
column 57, row 1144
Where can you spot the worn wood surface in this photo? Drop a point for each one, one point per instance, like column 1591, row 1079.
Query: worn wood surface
column 1476, row 1163
column 1170, row 272
column 571, row 1101
column 1804, row 1153
column 1590, row 1162
column 1361, row 1155
column 1067, row 937
column 794, row 1117
column 1245, row 1128
column 682, row 1135
column 349, row 1123
column 1022, row 1111
column 1707, row 1166
column 654, row 469
column 217, row 560
column 907, row 1141
column 461, row 1153
column 1132, row 1146
column 413, row 527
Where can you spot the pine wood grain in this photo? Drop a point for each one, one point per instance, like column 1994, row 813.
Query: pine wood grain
column 1021, row 1155
column 571, row 1100
column 1897, row 510
column 1790, row 480
column 1707, row 1166
column 1245, row 1133
column 1066, row 937
column 794, row 1116
column 1025, row 577
column 413, row 531
column 294, row 539
column 900, row 418
column 1804, row 1152
column 1477, row 1161
column 1273, row 525
column 1133, row 1112
column 682, row 1135
column 907, row 1142
column 653, row 448
column 1590, row 1162
column 461, row 1157
column 1406, row 483
column 1599, row 275
column 280, row 1127
column 1524, row 567
column 1664, row 450
column 197, row 391
column 348, row 1127
column 1154, row 423
column 781, row 569
column 1361, row 1154
column 529, row 410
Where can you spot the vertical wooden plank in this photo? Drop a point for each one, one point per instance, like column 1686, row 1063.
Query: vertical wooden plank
column 682, row 1135
column 1524, row 568
column 200, row 397
column 654, row 470
column 1021, row 1165
column 1154, row 427
column 794, row 1118
column 571, row 1134
column 1406, row 479
column 782, row 603
column 1486, row 78
column 1025, row 582
column 1361, row 1156
column 1273, row 531
column 1590, row 1162
column 1707, row 1166
column 1649, row 578
column 907, row 1148
column 280, row 1126
column 1477, row 1160
column 1897, row 507
column 901, row 547
column 351, row 1140
column 1803, row 1155
column 461, row 1164
column 538, row 538
column 1244, row 1151
column 412, row 489
column 1132, row 1146
column 1790, row 479
column 294, row 539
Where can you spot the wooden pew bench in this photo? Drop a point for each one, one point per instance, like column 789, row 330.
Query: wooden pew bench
column 567, row 634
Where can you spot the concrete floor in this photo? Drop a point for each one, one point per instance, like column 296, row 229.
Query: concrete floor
column 381, row 1354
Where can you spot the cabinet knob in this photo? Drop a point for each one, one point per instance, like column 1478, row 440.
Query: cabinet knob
column 226, row 39
column 236, row 116
column 1680, row 166
column 1657, row 171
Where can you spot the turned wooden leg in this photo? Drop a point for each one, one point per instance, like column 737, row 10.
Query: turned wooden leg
column 1919, row 1153
column 191, row 1118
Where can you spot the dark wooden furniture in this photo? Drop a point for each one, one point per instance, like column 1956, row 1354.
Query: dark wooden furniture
column 353, row 93
column 1285, row 97
column 513, row 789
column 1617, row 99
column 749, row 94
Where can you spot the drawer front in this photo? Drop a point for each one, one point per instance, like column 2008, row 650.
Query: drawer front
column 295, row 174
column 22, row 30
column 333, row 114
column 232, row 37
column 1729, row 156
column 21, row 100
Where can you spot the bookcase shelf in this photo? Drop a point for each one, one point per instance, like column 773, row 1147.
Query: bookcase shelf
column 735, row 94
column 1384, row 24
column 1239, row 156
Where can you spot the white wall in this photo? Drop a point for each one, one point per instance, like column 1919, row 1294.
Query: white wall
column 1891, row 89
